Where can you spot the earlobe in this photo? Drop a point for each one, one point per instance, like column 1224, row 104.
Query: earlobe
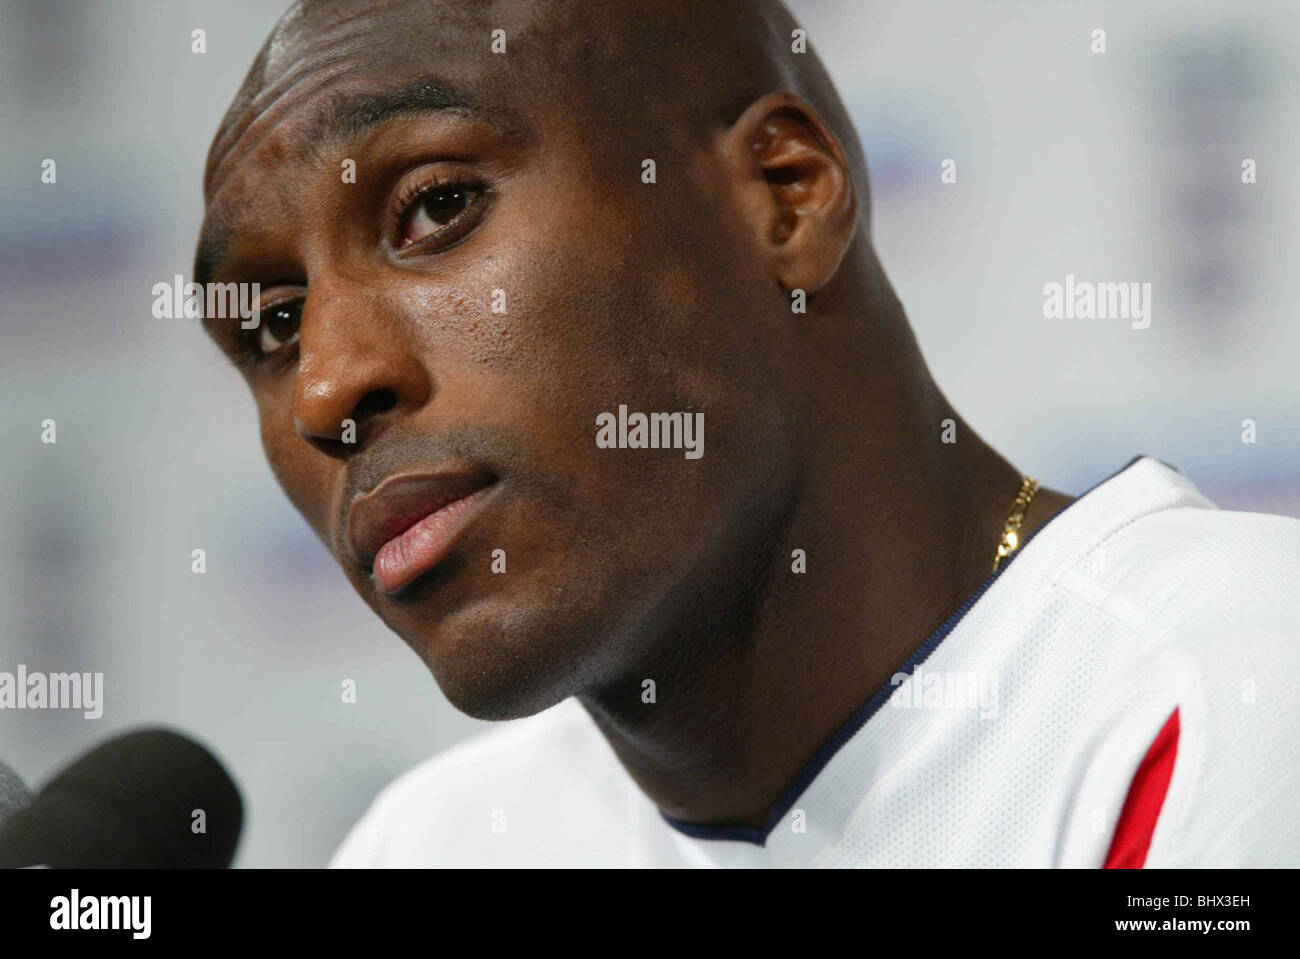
column 797, row 186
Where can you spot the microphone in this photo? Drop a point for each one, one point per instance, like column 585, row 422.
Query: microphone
column 13, row 794
column 147, row 799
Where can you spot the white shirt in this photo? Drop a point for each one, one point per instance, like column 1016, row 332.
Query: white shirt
column 1014, row 740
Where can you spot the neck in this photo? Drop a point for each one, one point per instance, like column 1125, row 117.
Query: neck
column 898, row 528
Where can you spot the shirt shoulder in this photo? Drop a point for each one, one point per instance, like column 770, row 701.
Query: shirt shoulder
column 1149, row 550
column 541, row 790
column 1184, row 565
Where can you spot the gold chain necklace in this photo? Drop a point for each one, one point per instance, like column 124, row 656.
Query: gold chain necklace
column 1010, row 541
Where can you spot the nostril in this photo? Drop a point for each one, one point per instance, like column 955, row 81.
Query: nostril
column 376, row 401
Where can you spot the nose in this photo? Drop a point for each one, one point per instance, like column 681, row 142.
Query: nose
column 357, row 368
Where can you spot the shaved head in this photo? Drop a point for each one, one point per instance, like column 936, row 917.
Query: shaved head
column 666, row 72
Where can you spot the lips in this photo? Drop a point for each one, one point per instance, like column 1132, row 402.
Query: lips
column 409, row 523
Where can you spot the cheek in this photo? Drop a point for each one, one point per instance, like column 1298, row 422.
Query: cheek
column 605, row 319
column 302, row 473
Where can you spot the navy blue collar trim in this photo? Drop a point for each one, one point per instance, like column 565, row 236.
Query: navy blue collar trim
column 791, row 794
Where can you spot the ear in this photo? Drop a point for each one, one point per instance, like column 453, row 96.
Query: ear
column 795, row 187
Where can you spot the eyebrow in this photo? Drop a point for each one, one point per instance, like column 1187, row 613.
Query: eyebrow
column 343, row 117
column 348, row 115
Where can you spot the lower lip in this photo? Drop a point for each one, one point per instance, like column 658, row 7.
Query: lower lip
column 422, row 547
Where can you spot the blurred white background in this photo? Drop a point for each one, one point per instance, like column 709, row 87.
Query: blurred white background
column 1123, row 166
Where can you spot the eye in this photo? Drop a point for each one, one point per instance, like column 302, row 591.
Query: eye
column 278, row 326
column 437, row 211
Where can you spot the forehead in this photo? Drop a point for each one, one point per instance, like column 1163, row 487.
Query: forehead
column 328, row 64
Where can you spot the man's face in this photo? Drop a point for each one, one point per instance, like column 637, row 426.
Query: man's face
column 498, row 276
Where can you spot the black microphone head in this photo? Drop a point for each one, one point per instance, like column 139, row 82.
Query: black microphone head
column 152, row 798
column 13, row 794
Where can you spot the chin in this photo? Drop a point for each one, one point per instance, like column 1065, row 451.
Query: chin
column 496, row 664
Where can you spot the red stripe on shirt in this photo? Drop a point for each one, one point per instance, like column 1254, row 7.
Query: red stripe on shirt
column 1146, row 796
